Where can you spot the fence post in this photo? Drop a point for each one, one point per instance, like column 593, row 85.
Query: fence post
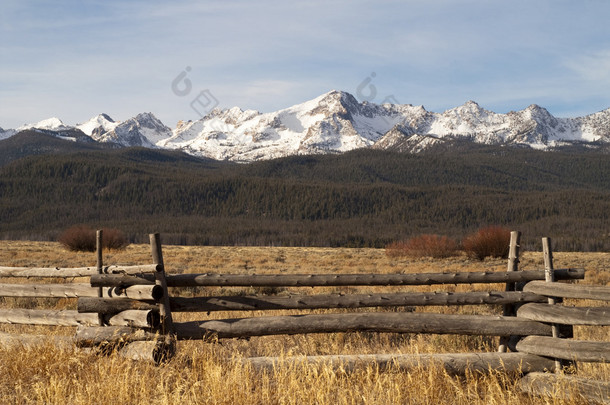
column 99, row 264
column 167, row 323
column 549, row 277
column 513, row 265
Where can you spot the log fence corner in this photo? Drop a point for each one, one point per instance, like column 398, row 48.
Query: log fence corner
column 129, row 308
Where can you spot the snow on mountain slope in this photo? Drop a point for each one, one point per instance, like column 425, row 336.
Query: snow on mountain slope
column 99, row 124
column 6, row 133
column 332, row 122
column 592, row 128
column 142, row 130
column 336, row 122
column 50, row 124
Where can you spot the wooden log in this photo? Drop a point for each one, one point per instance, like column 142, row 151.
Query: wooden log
column 549, row 272
column 76, row 290
column 578, row 291
column 28, row 340
column 67, row 290
column 136, row 292
column 46, row 317
column 110, row 335
column 135, row 318
column 167, row 323
column 513, row 266
column 595, row 316
column 112, row 305
column 66, row 317
column 453, row 363
column 99, row 266
column 121, row 280
column 566, row 388
column 59, row 272
column 549, row 277
column 155, row 351
column 367, row 321
column 263, row 302
column 333, row 280
column 567, row 349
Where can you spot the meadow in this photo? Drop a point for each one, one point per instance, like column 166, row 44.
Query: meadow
column 212, row 373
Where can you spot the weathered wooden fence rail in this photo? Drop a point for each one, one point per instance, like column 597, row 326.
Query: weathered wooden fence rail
column 130, row 307
column 148, row 319
column 58, row 272
column 331, row 280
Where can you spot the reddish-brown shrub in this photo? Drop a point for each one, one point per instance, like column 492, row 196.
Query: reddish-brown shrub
column 113, row 239
column 492, row 241
column 81, row 238
column 435, row 246
column 395, row 249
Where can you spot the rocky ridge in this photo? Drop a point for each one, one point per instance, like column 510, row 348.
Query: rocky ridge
column 336, row 122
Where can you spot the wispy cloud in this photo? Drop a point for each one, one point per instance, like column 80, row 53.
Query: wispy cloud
column 593, row 66
column 74, row 59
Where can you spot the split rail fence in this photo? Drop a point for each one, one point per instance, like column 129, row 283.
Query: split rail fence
column 129, row 308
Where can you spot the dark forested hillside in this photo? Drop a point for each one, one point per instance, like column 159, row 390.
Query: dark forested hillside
column 37, row 142
column 360, row 198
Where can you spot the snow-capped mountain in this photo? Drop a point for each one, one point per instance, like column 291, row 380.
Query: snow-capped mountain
column 142, row 130
column 333, row 122
column 98, row 125
column 55, row 127
column 51, row 124
column 336, row 122
column 6, row 133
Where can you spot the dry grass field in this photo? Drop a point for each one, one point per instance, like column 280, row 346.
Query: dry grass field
column 210, row 373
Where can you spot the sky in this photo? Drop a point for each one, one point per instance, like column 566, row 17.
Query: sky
column 74, row 59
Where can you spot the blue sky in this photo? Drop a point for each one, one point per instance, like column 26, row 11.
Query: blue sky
column 76, row 59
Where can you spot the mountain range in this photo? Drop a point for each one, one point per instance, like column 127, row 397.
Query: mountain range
column 334, row 122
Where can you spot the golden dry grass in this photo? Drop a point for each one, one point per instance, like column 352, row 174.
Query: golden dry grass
column 201, row 374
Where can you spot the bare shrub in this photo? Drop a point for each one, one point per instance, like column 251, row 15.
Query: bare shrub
column 492, row 241
column 81, row 238
column 395, row 249
column 78, row 238
column 435, row 246
column 114, row 239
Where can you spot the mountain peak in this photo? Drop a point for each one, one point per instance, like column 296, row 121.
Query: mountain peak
column 536, row 108
column 106, row 117
column 469, row 107
column 538, row 113
column 99, row 124
column 51, row 124
column 336, row 96
column 336, row 122
column 145, row 116
column 337, row 102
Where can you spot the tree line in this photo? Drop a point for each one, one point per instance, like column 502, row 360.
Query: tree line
column 363, row 198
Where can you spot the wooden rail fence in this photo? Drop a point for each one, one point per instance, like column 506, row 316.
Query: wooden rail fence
column 130, row 308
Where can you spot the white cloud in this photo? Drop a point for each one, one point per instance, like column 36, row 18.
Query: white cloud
column 593, row 66
column 71, row 58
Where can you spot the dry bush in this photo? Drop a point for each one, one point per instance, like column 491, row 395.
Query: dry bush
column 435, row 246
column 113, row 239
column 78, row 238
column 492, row 241
column 395, row 249
column 81, row 238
